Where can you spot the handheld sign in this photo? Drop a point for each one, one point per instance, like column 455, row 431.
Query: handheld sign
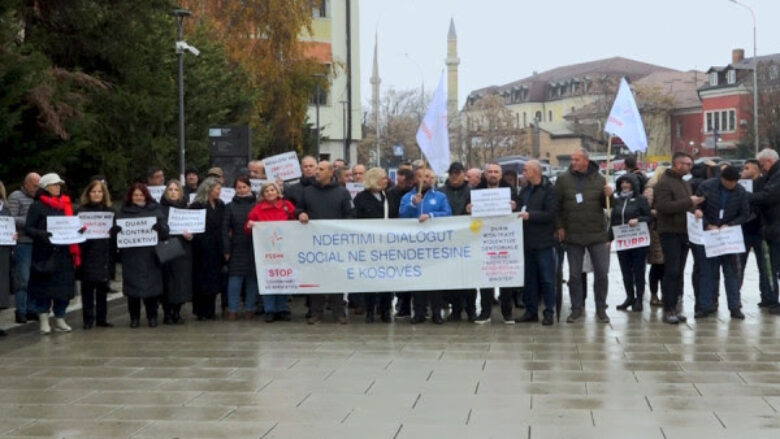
column 725, row 241
column 627, row 237
column 65, row 230
column 695, row 229
column 136, row 232
column 98, row 224
column 182, row 221
column 747, row 184
column 7, row 230
column 491, row 202
column 227, row 194
column 156, row 192
column 354, row 189
column 283, row 166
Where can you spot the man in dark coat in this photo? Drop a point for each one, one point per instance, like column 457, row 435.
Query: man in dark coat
column 754, row 239
column 768, row 201
column 294, row 192
column 405, row 182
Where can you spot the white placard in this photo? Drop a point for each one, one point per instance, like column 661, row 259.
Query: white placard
column 747, row 184
column 98, row 224
column 7, row 230
column 227, row 194
column 257, row 184
column 182, row 221
column 627, row 237
column 65, row 230
column 491, row 202
column 354, row 189
column 725, row 241
column 156, row 192
column 282, row 166
column 136, row 232
column 695, row 229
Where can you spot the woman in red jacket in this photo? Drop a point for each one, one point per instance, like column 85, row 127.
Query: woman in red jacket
column 272, row 208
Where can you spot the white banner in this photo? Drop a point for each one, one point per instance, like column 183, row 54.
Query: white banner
column 433, row 136
column 156, row 192
column 624, row 120
column 227, row 194
column 7, row 230
column 354, row 189
column 182, row 221
column 695, row 229
column 284, row 166
column 747, row 184
column 136, row 232
column 334, row 256
column 98, row 224
column 65, row 230
column 491, row 202
column 627, row 237
column 725, row 241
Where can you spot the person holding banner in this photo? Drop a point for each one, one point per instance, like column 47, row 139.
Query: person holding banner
column 177, row 274
column 5, row 256
column 631, row 208
column 239, row 256
column 208, row 257
column 97, row 258
column 142, row 278
column 726, row 205
column 53, row 272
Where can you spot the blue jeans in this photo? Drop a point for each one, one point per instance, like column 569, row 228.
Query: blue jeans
column 43, row 305
column 274, row 303
column 632, row 266
column 540, row 266
column 710, row 279
column 755, row 242
column 23, row 260
column 234, row 293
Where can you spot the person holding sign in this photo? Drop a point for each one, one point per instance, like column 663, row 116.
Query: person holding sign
column 631, row 208
column 239, row 255
column 726, row 205
column 208, row 257
column 141, row 272
column 53, row 272
column 5, row 254
column 97, row 258
column 177, row 274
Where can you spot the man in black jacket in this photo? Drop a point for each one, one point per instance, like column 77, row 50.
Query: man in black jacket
column 768, row 201
column 404, row 183
column 726, row 205
column 754, row 240
column 294, row 192
column 538, row 204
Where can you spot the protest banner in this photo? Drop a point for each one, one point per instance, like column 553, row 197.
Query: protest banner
column 156, row 192
column 98, row 224
column 136, row 232
column 7, row 230
column 725, row 241
column 627, row 237
column 491, row 202
column 282, row 166
column 354, row 189
column 182, row 221
column 333, row 256
column 747, row 184
column 227, row 194
column 65, row 230
column 695, row 229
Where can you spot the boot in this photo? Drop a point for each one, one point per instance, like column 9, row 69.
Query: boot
column 61, row 326
column 43, row 319
column 168, row 317
column 638, row 306
column 626, row 304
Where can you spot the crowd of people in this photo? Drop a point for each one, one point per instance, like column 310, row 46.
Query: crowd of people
column 567, row 217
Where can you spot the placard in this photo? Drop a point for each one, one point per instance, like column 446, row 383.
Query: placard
column 181, row 221
column 156, row 192
column 283, row 166
column 695, row 229
column 136, row 232
column 98, row 224
column 7, row 230
column 491, row 202
column 227, row 194
column 354, row 189
column 747, row 184
column 65, row 230
column 627, row 237
column 725, row 241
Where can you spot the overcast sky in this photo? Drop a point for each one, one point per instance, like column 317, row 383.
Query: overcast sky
column 503, row 40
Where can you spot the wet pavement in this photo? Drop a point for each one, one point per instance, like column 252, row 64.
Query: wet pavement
column 635, row 377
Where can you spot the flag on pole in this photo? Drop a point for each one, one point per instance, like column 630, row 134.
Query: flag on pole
column 433, row 135
column 625, row 122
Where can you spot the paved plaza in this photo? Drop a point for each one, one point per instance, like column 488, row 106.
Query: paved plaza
column 633, row 378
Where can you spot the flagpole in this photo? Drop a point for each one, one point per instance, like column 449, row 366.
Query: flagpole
column 609, row 161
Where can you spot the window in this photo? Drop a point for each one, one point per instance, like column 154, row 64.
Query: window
column 722, row 121
column 774, row 72
column 679, row 128
column 538, row 116
column 731, row 76
column 322, row 97
column 525, row 119
column 549, row 116
column 319, row 8
column 713, row 79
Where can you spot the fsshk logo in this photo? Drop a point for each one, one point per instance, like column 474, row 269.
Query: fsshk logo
column 273, row 239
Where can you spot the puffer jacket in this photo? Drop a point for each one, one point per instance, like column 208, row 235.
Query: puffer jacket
column 585, row 223
column 628, row 208
column 735, row 211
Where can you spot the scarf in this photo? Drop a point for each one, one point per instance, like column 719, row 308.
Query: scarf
column 63, row 203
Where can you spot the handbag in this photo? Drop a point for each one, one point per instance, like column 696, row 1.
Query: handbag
column 169, row 250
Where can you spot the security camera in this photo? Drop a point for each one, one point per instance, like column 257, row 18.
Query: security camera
column 181, row 46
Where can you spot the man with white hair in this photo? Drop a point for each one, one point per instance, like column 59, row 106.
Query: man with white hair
column 767, row 200
column 256, row 169
column 474, row 177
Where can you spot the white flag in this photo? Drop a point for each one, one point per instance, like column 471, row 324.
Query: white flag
column 625, row 122
column 433, row 135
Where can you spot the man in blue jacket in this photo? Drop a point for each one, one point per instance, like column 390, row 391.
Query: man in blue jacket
column 425, row 203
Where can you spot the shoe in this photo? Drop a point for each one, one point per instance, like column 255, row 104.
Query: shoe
column 152, row 322
column 270, row 317
column 701, row 314
column 167, row 320
column 250, row 315
column 637, row 306
column 737, row 314
column 232, row 316
column 626, row 304
column 403, row 314
column 60, row 325
column 134, row 323
column 548, row 319
column 574, row 316
column 682, row 318
column 313, row 320
column 671, row 318
column 341, row 320
column 481, row 320
column 20, row 318
column 417, row 319
column 601, row 316
column 437, row 319
column 176, row 317
column 87, row 326
column 32, row 316
column 471, row 317
column 43, row 321
column 655, row 301
column 761, row 304
column 508, row 320
column 104, row 325
column 527, row 318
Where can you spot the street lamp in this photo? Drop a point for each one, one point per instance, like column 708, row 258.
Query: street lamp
column 181, row 46
column 318, row 77
column 755, row 74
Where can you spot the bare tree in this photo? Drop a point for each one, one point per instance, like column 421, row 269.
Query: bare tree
column 493, row 132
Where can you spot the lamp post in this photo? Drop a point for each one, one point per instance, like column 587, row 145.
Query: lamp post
column 180, row 14
column 317, row 78
column 755, row 74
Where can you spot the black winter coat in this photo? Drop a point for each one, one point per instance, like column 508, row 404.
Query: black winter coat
column 235, row 241
column 96, row 254
column 294, row 192
column 394, row 196
column 768, row 200
column 52, row 275
column 208, row 256
column 331, row 201
column 737, row 207
column 458, row 197
column 627, row 208
column 541, row 203
column 141, row 272
column 753, row 224
column 367, row 206
column 177, row 274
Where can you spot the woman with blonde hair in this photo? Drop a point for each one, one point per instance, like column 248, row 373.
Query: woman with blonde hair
column 655, row 256
column 207, row 253
column 96, row 259
column 177, row 274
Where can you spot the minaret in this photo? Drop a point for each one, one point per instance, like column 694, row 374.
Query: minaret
column 375, row 81
column 452, row 62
